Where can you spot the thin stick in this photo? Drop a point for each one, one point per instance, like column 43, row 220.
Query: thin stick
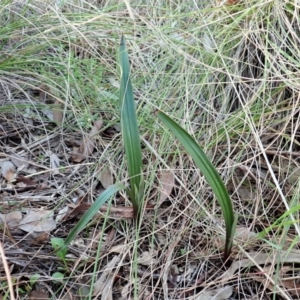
column 7, row 272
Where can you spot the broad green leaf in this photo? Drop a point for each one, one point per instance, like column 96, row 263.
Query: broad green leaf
column 34, row 278
column 130, row 132
column 58, row 277
column 210, row 173
column 92, row 211
column 58, row 245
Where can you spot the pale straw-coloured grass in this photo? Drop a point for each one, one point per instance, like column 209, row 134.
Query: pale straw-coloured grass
column 228, row 74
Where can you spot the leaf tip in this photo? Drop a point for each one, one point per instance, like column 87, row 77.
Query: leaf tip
column 122, row 40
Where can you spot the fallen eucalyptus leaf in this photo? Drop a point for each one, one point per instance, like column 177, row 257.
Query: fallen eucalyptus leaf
column 11, row 219
column 26, row 181
column 243, row 233
column 54, row 163
column 104, row 175
column 261, row 259
column 167, row 181
column 8, row 170
column 38, row 295
column 61, row 214
column 222, row 293
column 38, row 221
column 18, row 160
column 105, row 278
column 146, row 259
column 88, row 144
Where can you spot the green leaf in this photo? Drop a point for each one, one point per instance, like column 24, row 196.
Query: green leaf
column 58, row 276
column 92, row 211
column 58, row 245
column 210, row 173
column 130, row 132
column 34, row 278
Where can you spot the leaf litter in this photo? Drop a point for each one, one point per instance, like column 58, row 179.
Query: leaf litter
column 28, row 135
column 54, row 162
column 171, row 268
column 167, row 182
column 104, row 175
column 8, row 171
column 12, row 219
column 88, row 144
column 38, row 295
column 38, row 221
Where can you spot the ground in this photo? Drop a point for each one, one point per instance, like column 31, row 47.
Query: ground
column 227, row 72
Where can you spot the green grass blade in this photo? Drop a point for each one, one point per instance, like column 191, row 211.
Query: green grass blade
column 111, row 190
column 130, row 130
column 210, row 173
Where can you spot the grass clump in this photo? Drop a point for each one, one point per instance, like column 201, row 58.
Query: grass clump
column 228, row 74
column 130, row 134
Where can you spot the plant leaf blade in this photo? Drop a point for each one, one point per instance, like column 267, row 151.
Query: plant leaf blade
column 210, row 174
column 129, row 125
column 93, row 210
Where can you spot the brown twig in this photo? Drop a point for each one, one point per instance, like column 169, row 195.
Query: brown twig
column 7, row 272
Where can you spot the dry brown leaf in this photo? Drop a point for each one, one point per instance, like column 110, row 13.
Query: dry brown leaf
column 119, row 212
column 8, row 170
column 62, row 214
column 11, row 219
column 146, row 259
column 104, row 175
column 122, row 212
column 73, row 143
column 78, row 210
column 78, row 242
column 161, row 238
column 88, row 144
column 38, row 295
column 93, row 237
column 25, row 180
column 18, row 160
column 38, row 221
column 260, row 259
column 292, row 286
column 243, row 233
column 31, row 171
column 118, row 249
column 126, row 292
column 245, row 193
column 106, row 276
column 54, row 162
column 167, row 181
column 289, row 283
column 39, row 238
column 222, row 293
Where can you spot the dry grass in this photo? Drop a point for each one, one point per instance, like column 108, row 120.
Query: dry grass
column 229, row 74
